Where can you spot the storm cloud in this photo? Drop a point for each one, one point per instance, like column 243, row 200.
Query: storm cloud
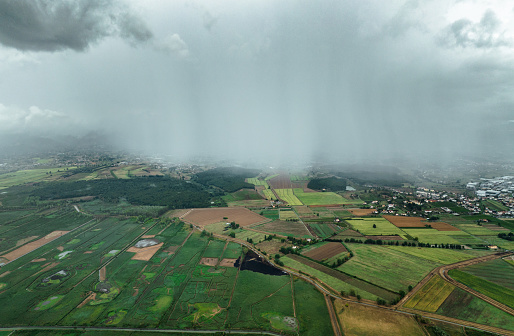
column 51, row 25
column 276, row 81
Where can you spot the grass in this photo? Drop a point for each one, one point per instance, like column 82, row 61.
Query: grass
column 287, row 214
column 288, row 196
column 432, row 236
column 494, row 205
column 383, row 227
column 441, row 256
column 465, row 306
column 319, row 198
column 31, row 175
column 431, row 296
column 271, row 214
column 386, row 267
column 497, row 271
column 476, row 230
column 311, row 310
column 257, row 182
column 242, row 195
column 494, row 291
column 360, row 320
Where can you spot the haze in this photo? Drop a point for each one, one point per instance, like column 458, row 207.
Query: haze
column 273, row 81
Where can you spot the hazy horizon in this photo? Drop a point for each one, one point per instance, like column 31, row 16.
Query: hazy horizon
column 269, row 81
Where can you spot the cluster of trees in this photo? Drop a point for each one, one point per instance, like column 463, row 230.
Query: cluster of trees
column 404, row 243
column 328, row 183
column 506, row 236
column 154, row 190
column 228, row 179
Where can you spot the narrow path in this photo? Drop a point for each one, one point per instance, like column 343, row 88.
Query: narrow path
column 333, row 316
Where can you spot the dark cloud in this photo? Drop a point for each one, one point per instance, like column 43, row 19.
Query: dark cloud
column 51, row 25
column 484, row 34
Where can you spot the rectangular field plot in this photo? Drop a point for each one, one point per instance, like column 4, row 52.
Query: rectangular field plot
column 438, row 255
column 241, row 216
column 383, row 227
column 329, row 275
column 288, row 196
column 418, row 222
column 295, row 229
column 269, row 195
column 385, row 267
column 432, row 236
column 287, row 214
column 319, row 198
column 257, row 182
column 355, row 320
column 498, row 271
column 312, row 309
column 430, row 297
column 476, row 230
column 324, row 230
column 494, row 291
column 325, row 251
column 462, row 305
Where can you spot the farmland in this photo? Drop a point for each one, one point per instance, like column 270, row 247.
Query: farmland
column 241, row 216
column 430, row 297
column 386, row 267
column 288, row 196
column 319, row 198
column 31, row 175
column 383, row 227
column 494, row 291
column 182, row 283
column 325, row 251
column 497, row 271
column 355, row 320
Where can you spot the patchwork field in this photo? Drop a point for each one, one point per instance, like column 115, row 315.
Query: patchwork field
column 494, row 291
column 31, row 175
column 279, row 181
column 432, row 236
column 296, row 229
column 418, row 222
column 431, row 296
column 438, row 255
column 497, row 271
column 241, row 216
column 288, row 196
column 361, row 212
column 385, row 267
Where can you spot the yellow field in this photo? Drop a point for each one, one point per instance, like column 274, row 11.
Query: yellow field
column 269, row 194
column 284, row 215
column 431, row 295
column 288, row 196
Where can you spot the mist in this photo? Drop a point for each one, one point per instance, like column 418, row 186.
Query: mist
column 272, row 82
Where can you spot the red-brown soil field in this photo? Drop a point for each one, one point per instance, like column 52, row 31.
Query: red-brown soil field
column 404, row 222
column 326, row 251
column 241, row 216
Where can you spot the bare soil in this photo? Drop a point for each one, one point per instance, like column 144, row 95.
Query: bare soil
column 29, row 247
column 145, row 253
column 206, row 216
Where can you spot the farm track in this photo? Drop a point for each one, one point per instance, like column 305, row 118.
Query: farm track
column 333, row 316
column 311, row 231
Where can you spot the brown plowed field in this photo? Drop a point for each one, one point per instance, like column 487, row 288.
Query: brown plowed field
column 102, row 273
column 282, row 181
column 361, row 212
column 302, row 209
column 33, row 245
column 241, row 216
column 145, row 253
column 326, row 251
column 404, row 222
column 227, row 262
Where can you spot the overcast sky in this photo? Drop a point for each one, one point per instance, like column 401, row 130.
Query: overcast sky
column 264, row 79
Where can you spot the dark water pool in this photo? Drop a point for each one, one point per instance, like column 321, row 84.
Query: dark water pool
column 252, row 262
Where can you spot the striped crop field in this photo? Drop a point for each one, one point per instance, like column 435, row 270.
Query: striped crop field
column 431, row 296
column 269, row 194
column 288, row 196
column 494, row 291
column 257, row 182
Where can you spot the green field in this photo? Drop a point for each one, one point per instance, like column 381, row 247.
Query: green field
column 288, row 196
column 494, row 205
column 31, row 175
column 269, row 195
column 432, row 236
column 431, row 296
column 319, row 198
column 286, row 214
column 242, row 195
column 311, row 307
column 494, row 291
column 465, row 306
column 386, row 267
column 497, row 271
column 257, row 182
column 383, row 227
column 441, row 256
column 336, row 284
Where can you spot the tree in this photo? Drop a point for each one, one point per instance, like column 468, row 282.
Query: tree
column 374, row 226
column 232, row 234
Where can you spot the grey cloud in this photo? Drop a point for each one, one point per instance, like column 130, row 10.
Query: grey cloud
column 51, row 25
column 173, row 44
column 209, row 20
column 484, row 34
